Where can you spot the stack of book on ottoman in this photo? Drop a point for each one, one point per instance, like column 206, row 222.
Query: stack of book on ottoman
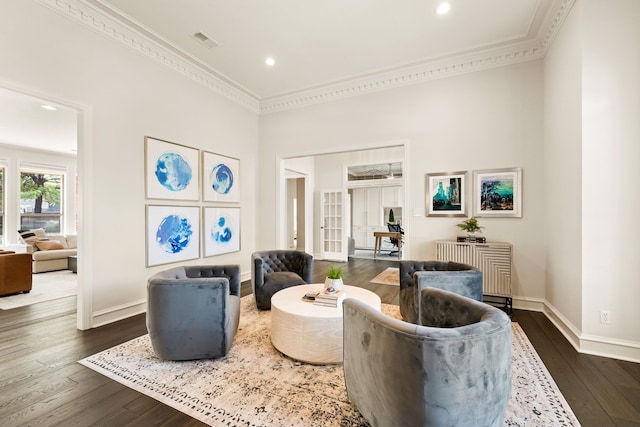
column 330, row 299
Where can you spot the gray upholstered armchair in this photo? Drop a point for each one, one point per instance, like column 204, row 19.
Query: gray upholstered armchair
column 193, row 311
column 272, row 271
column 454, row 371
column 463, row 279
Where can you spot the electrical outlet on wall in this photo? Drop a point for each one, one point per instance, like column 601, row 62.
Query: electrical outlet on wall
column 605, row 316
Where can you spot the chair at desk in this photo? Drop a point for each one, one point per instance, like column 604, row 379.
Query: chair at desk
column 395, row 228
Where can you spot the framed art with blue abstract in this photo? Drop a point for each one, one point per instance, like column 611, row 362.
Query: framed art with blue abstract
column 221, row 230
column 220, row 178
column 171, row 170
column 446, row 194
column 173, row 234
column 498, row 192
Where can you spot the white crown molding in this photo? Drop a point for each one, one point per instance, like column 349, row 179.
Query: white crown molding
column 91, row 18
column 398, row 78
column 431, row 70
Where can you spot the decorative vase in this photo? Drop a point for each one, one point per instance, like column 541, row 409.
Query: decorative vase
column 333, row 283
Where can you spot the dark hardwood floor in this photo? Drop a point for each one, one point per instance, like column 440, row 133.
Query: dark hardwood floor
column 42, row 385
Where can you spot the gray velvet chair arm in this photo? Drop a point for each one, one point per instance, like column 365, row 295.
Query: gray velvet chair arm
column 257, row 271
column 399, row 374
column 452, row 276
column 307, row 267
column 192, row 312
column 174, row 303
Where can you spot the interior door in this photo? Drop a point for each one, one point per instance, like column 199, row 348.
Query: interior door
column 334, row 214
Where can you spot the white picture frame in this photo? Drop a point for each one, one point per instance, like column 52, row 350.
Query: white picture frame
column 498, row 193
column 172, row 234
column 221, row 230
column 171, row 171
column 220, row 178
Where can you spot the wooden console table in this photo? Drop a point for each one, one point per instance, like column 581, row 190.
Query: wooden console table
column 380, row 234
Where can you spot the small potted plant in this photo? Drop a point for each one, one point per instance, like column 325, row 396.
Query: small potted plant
column 471, row 226
column 334, row 279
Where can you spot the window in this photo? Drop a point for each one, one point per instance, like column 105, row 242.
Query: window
column 41, row 200
column 1, row 205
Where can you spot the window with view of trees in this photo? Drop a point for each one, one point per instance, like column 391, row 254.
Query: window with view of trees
column 41, row 201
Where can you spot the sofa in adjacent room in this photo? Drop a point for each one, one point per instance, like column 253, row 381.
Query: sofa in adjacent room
column 49, row 252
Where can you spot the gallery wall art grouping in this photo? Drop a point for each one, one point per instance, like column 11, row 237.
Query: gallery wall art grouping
column 496, row 193
column 201, row 180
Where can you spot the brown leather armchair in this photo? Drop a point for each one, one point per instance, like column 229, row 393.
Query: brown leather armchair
column 15, row 273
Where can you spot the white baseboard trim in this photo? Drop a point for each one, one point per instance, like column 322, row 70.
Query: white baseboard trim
column 610, row 347
column 529, row 304
column 583, row 343
column 245, row 276
column 120, row 312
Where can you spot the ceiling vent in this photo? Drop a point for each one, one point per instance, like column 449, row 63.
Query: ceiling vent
column 207, row 41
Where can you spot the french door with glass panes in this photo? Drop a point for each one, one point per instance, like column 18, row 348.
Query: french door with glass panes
column 334, row 214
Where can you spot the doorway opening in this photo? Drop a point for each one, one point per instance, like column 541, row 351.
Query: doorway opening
column 40, row 137
column 329, row 171
column 296, row 211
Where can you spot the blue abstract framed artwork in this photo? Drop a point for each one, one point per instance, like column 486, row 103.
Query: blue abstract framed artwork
column 173, row 234
column 220, row 178
column 221, row 230
column 171, row 170
column 446, row 194
column 498, row 192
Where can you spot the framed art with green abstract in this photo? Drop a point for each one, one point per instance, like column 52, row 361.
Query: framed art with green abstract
column 498, row 192
column 446, row 194
column 220, row 177
column 171, row 170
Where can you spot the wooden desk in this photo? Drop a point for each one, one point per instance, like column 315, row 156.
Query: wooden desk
column 380, row 234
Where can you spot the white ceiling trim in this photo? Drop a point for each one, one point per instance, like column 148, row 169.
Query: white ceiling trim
column 96, row 20
column 170, row 56
column 432, row 70
column 407, row 76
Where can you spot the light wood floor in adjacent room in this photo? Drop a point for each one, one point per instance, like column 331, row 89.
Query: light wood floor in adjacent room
column 41, row 383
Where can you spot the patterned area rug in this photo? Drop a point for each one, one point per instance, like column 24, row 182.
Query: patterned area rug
column 45, row 287
column 390, row 276
column 255, row 385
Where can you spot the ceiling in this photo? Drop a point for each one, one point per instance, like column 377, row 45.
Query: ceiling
column 317, row 45
column 24, row 123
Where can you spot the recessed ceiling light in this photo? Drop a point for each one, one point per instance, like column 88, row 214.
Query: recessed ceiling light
column 443, row 8
column 49, row 107
column 270, row 61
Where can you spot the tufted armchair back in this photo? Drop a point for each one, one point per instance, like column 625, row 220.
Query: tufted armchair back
column 455, row 371
column 274, row 270
column 462, row 279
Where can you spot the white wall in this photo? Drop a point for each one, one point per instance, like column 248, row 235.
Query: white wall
column 611, row 169
column 123, row 96
column 563, row 172
column 591, row 145
column 484, row 120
